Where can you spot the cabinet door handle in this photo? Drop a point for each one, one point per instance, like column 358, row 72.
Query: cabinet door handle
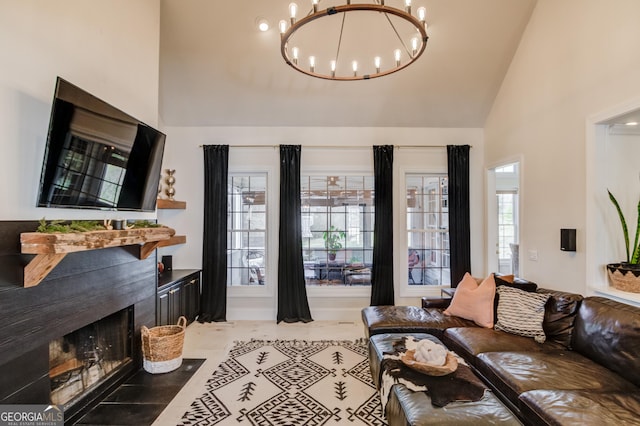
column 172, row 291
column 192, row 281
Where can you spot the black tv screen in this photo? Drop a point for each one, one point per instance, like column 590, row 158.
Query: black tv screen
column 98, row 157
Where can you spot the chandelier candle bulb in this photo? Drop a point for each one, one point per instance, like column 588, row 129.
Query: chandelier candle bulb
column 293, row 11
column 333, row 68
column 407, row 4
column 422, row 14
column 283, row 27
column 315, row 5
column 312, row 63
column 295, row 55
column 414, row 46
column 354, row 65
column 376, row 62
column 397, row 54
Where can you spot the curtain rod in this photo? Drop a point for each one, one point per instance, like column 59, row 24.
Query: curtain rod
column 248, row 146
column 339, row 146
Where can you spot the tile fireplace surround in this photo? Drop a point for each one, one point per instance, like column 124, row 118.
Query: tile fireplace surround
column 82, row 289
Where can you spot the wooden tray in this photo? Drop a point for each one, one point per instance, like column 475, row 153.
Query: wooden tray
column 449, row 366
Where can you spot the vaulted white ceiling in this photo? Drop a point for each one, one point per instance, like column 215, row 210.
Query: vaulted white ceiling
column 217, row 69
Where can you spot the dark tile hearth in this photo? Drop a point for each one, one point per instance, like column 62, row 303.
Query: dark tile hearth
column 141, row 399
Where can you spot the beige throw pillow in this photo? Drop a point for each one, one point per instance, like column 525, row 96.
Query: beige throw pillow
column 474, row 302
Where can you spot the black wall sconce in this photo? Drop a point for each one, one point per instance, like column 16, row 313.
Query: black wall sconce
column 568, row 239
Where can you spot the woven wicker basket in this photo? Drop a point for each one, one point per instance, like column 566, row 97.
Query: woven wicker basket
column 450, row 365
column 624, row 278
column 162, row 347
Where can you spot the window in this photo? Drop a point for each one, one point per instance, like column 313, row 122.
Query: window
column 507, row 183
column 507, row 229
column 246, row 230
column 428, row 229
column 337, row 230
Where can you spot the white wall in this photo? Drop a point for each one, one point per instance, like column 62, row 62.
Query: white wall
column 184, row 154
column 613, row 162
column 620, row 165
column 109, row 48
column 576, row 58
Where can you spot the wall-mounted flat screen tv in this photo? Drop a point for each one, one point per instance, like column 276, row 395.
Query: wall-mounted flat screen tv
column 98, row 157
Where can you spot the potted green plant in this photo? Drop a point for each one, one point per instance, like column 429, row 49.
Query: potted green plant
column 333, row 239
column 626, row 275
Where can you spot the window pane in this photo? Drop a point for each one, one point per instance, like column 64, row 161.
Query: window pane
column 427, row 229
column 337, row 229
column 507, row 227
column 246, row 236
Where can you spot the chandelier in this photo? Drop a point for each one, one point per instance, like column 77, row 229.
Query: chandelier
column 383, row 39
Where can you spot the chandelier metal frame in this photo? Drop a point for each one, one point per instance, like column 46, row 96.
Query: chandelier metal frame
column 413, row 55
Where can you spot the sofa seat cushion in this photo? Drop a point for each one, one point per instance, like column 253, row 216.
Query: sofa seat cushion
column 559, row 407
column 381, row 344
column 414, row 408
column 408, row 319
column 468, row 342
column 513, row 373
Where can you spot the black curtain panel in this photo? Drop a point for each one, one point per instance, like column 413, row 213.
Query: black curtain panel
column 382, row 271
column 293, row 305
column 214, row 244
column 459, row 222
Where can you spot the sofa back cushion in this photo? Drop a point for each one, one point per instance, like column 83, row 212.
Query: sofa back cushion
column 515, row 282
column 559, row 315
column 608, row 332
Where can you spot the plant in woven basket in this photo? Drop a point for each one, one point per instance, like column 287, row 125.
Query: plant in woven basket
column 626, row 275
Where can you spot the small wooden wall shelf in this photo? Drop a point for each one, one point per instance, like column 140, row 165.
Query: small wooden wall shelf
column 50, row 249
column 171, row 204
column 176, row 239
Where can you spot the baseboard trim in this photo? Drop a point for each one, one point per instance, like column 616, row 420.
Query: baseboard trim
column 319, row 314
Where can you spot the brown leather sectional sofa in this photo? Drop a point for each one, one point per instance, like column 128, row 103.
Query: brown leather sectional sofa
column 586, row 373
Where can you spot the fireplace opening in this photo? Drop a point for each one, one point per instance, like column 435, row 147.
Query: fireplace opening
column 81, row 361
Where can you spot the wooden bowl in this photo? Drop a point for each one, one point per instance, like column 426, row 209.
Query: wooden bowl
column 449, row 366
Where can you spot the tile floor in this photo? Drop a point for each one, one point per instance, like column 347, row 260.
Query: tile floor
column 213, row 340
column 141, row 399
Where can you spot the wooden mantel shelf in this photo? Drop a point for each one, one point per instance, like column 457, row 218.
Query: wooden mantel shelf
column 171, row 204
column 50, row 249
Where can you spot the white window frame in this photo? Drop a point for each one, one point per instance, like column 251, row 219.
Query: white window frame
column 515, row 213
column 401, row 230
column 337, row 291
column 271, row 250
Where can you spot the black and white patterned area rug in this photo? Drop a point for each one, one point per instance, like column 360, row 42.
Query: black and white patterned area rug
column 290, row 382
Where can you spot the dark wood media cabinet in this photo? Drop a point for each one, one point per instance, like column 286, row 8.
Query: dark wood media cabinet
column 178, row 294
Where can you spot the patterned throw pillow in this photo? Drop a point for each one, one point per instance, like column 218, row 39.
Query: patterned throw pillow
column 521, row 312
